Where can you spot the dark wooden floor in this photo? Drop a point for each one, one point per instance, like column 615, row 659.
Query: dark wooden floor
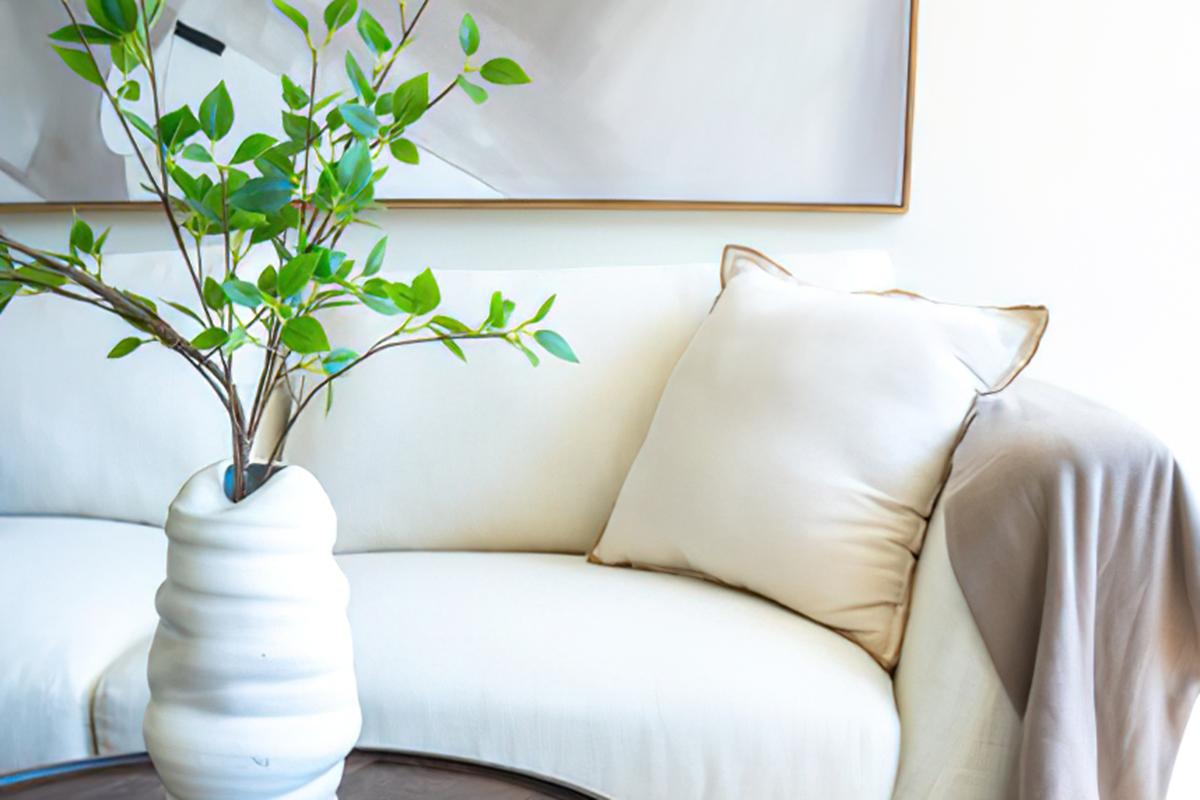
column 369, row 774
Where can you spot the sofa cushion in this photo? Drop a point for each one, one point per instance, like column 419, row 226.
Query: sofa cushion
column 86, row 435
column 421, row 451
column 802, row 441
column 75, row 594
column 629, row 684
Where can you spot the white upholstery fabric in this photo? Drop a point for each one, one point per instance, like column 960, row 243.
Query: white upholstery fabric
column 120, row 700
column 801, row 441
column 630, row 684
column 74, row 594
column 90, row 436
column 960, row 733
column 421, row 451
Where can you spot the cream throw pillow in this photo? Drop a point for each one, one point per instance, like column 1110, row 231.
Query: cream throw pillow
column 803, row 438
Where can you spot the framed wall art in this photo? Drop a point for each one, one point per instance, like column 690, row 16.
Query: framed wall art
column 664, row 104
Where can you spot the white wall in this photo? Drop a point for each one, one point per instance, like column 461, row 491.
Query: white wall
column 1057, row 160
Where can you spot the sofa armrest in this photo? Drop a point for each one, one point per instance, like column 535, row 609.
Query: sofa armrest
column 960, row 735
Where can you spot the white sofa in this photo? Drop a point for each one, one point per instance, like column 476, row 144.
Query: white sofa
column 467, row 496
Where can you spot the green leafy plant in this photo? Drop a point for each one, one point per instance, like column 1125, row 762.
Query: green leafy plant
column 296, row 195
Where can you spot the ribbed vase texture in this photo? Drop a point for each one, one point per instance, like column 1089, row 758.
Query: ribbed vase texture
column 252, row 689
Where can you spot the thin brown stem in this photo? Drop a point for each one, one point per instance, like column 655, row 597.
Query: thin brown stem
column 400, row 45
column 163, row 190
column 442, row 94
column 116, row 107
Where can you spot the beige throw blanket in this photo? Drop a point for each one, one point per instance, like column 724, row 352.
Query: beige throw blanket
column 1077, row 546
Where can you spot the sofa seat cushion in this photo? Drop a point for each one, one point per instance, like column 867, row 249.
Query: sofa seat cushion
column 75, row 594
column 629, row 684
column 632, row 685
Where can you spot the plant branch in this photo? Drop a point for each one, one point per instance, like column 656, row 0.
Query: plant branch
column 400, row 45
column 375, row 349
column 308, row 144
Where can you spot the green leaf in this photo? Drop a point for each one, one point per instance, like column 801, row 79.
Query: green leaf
column 299, row 128
column 242, row 292
column 293, row 95
column 175, row 128
column 503, row 71
column 125, row 347
column 123, row 58
column 449, row 324
column 475, row 92
column 453, row 347
column 236, row 339
column 82, row 238
column 115, row 16
column 39, row 276
column 426, row 295
column 140, row 124
column 404, row 150
column 555, row 345
column 468, row 35
column 497, row 318
column 373, row 34
column 362, row 86
column 304, row 335
column 339, row 12
column 194, row 152
column 187, row 312
column 216, row 113
column 214, row 295
column 360, row 119
column 252, row 147
column 144, row 302
column 298, row 19
column 333, row 120
column 354, row 168
column 410, row 100
column 401, row 295
column 80, row 63
column 543, row 311
column 338, row 360
column 380, row 305
column 154, row 9
column 130, row 90
column 529, row 354
column 267, row 280
column 375, row 258
column 296, row 274
column 210, row 338
column 262, row 195
column 91, row 35
column 325, row 262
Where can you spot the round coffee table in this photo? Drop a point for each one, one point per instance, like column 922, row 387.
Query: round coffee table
column 374, row 774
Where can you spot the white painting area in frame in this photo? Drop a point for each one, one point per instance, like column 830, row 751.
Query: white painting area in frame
column 757, row 101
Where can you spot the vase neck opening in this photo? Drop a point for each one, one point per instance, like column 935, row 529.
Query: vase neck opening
column 256, row 475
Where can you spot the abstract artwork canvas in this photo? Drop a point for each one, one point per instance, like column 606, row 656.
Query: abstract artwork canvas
column 677, row 103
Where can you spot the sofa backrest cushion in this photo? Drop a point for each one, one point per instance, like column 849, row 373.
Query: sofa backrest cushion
column 85, row 435
column 421, row 451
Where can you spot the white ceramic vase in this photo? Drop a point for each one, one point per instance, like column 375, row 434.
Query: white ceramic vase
column 252, row 690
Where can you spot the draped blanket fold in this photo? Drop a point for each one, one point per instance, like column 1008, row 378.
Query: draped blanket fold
column 1077, row 546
